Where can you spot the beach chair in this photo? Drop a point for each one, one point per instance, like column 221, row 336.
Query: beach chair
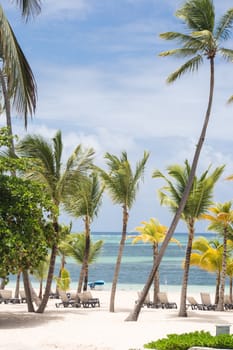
column 67, row 302
column 206, row 301
column 6, row 297
column 194, row 304
column 228, row 305
column 22, row 296
column 147, row 301
column 166, row 304
column 87, row 299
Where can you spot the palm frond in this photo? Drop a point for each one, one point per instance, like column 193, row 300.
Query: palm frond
column 224, row 27
column 197, row 14
column 29, row 8
column 180, row 37
column 20, row 79
column 227, row 54
column 183, row 52
column 57, row 147
column 189, row 66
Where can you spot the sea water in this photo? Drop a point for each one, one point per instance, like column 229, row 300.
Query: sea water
column 137, row 262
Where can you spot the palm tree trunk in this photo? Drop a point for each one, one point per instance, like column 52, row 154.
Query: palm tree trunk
column 7, row 110
column 45, row 299
column 87, row 252
column 27, row 289
column 217, row 287
column 17, row 285
column 182, row 311
column 220, row 306
column 80, row 280
column 230, row 286
column 156, row 279
column 119, row 257
column 133, row 316
column 40, row 289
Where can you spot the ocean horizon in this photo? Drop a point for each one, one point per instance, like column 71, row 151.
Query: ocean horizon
column 137, row 262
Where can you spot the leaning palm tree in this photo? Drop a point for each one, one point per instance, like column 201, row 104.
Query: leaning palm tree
column 202, row 39
column 207, row 255
column 198, row 202
column 83, row 200
column 46, row 167
column 154, row 233
column 122, row 185
column 74, row 245
column 221, row 221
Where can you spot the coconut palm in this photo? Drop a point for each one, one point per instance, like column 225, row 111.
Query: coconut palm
column 74, row 245
column 154, row 233
column 198, row 202
column 122, row 185
column 84, row 200
column 207, row 255
column 202, row 39
column 221, row 221
column 46, row 167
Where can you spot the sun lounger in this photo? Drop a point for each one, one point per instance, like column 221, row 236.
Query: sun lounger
column 228, row 305
column 147, row 301
column 194, row 304
column 166, row 304
column 6, row 297
column 67, row 302
column 22, row 296
column 87, row 299
column 206, row 301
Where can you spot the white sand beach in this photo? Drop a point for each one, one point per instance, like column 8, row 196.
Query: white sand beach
column 97, row 328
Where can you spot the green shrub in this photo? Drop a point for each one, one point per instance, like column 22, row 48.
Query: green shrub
column 187, row 340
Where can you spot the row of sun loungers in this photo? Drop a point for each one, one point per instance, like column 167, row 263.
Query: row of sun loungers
column 84, row 299
column 206, row 303
column 6, row 297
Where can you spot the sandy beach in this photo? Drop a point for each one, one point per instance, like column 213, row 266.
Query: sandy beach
column 97, row 328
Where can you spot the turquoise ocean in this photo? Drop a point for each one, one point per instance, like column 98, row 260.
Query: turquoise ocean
column 137, row 263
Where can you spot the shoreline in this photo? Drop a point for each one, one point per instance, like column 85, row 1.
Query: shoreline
column 97, row 328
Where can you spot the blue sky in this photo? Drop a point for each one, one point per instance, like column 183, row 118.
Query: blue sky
column 101, row 82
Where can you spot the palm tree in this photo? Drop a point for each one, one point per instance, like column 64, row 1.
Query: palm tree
column 207, row 255
column 154, row 233
column 46, row 168
column 84, row 200
column 74, row 245
column 122, row 185
column 198, row 202
column 221, row 221
column 202, row 39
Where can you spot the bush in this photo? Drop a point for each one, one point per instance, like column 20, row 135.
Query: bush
column 187, row 340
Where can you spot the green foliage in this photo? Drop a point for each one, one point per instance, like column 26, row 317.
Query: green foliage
column 24, row 234
column 73, row 245
column 63, row 282
column 187, row 340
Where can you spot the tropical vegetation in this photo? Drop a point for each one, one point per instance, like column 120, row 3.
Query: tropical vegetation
column 197, row 204
column 202, row 39
column 122, row 185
